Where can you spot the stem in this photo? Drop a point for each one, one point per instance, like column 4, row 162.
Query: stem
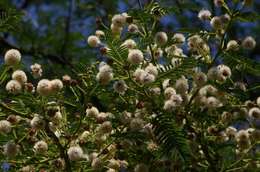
column 63, row 152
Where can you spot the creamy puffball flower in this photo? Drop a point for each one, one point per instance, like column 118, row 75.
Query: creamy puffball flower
column 141, row 168
column 133, row 28
column 135, row 56
column 242, row 135
column 182, row 85
column 92, row 112
column 232, row 45
column 254, row 113
column 44, row 87
column 115, row 29
column 105, row 74
column 40, row 147
column 12, row 57
column 223, row 72
column 129, row 43
column 204, row 14
column 96, row 163
column 231, row 131
column 200, row 78
column 161, row 38
column 5, row 127
column 119, row 20
column 218, row 3
column 36, row 70
column 179, row 38
column 151, row 69
column 99, row 33
column 13, row 87
column 93, row 41
column 75, row 153
column 249, row 43
column 216, row 22
column 212, row 102
column 56, row 85
column 146, row 78
column 10, row 149
column 169, row 92
column 19, row 76
column 37, row 122
column 120, row 86
column 258, row 101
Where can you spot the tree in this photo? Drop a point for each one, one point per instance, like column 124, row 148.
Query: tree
column 153, row 101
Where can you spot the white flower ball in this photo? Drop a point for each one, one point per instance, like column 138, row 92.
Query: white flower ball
column 182, row 85
column 36, row 70
column 129, row 43
column 13, row 87
column 179, row 38
column 99, row 33
column 204, row 14
column 93, row 41
column 44, row 87
column 19, row 76
column 12, row 57
column 135, row 56
column 232, row 45
column 40, row 147
column 258, row 101
column 56, row 85
column 168, row 92
column 116, row 29
column 120, row 86
column 216, row 22
column 5, row 127
column 119, row 20
column 249, row 43
column 10, row 149
column 75, row 153
column 254, row 113
column 37, row 122
column 151, row 69
column 92, row 112
column 161, row 38
column 133, row 28
column 141, row 168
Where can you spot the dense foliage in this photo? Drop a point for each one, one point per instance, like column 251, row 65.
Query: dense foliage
column 153, row 101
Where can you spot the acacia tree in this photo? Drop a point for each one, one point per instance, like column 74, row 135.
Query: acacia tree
column 156, row 102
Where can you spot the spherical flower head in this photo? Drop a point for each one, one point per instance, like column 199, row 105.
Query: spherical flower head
column 254, row 113
column 10, row 149
column 92, row 112
column 133, row 28
column 13, row 87
column 37, row 122
column 146, row 78
column 136, row 124
column 96, row 163
column 99, row 33
column 231, row 131
column 114, row 164
column 212, row 102
column 27, row 168
column 232, row 45
column 56, row 85
column 137, row 74
column 218, row 3
column 182, row 85
column 200, row 78
column 151, row 69
column 212, row 73
column 168, row 92
column 216, row 22
column 75, row 153
column 249, row 43
column 161, row 38
column 40, row 147
column 119, row 20
column 120, row 87
column 116, row 29
column 44, row 87
column 104, row 77
column 19, row 76
column 135, row 56
column 169, row 105
column 242, row 135
column 223, row 72
column 258, row 101
column 36, row 70
column 129, row 43
column 5, row 127
column 106, row 127
column 179, row 38
column 177, row 99
column 204, row 15
column 141, row 168
column 93, row 41
column 12, row 57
